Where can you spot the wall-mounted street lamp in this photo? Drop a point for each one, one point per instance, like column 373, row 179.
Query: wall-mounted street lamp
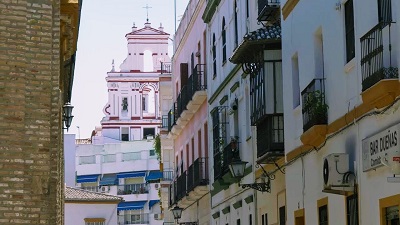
column 237, row 168
column 67, row 115
column 177, row 212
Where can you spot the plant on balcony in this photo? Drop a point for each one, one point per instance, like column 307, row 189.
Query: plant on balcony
column 316, row 107
column 157, row 146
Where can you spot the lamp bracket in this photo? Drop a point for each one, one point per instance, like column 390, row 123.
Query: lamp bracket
column 265, row 173
column 263, row 187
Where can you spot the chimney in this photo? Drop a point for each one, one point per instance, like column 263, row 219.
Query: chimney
column 161, row 28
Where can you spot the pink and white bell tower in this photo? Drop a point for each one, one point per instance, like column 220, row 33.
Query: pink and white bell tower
column 133, row 108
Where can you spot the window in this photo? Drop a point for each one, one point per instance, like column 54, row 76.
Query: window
column 223, row 34
column 87, row 160
column 385, row 11
column 295, row 81
column 247, row 8
column 299, row 217
column 250, row 219
column 152, row 152
column 392, row 215
column 264, row 219
column 124, row 134
column 352, row 210
column 145, row 98
column 389, row 210
column 214, row 55
column 282, row 215
column 349, row 27
column 236, row 10
column 148, row 132
column 323, row 215
column 124, row 104
column 109, row 158
column 130, row 156
column 238, row 222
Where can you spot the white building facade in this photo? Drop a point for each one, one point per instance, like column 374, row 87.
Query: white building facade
column 90, row 208
column 245, row 112
column 121, row 158
column 340, row 70
column 187, row 127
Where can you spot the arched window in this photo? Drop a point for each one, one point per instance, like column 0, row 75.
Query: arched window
column 223, row 41
column 236, row 11
column 148, row 61
column 214, row 56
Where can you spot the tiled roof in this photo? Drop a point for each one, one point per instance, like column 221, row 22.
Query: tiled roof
column 252, row 41
column 270, row 32
column 75, row 194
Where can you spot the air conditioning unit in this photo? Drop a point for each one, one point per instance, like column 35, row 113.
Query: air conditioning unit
column 157, row 186
column 158, row 216
column 104, row 189
column 335, row 170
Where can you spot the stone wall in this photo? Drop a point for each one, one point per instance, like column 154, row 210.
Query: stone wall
column 31, row 150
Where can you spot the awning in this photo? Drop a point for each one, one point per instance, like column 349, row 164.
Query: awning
column 109, row 179
column 154, row 175
column 131, row 174
column 153, row 202
column 137, row 205
column 87, row 178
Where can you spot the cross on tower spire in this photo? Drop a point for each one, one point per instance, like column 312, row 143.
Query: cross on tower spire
column 147, row 8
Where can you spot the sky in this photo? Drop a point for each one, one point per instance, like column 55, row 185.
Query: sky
column 101, row 39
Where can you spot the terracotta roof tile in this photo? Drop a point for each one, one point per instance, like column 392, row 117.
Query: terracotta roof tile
column 75, row 194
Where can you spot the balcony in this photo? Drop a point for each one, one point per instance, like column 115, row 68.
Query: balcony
column 315, row 113
column 164, row 122
column 270, row 139
column 168, row 175
column 189, row 100
column 91, row 188
column 315, row 110
column 379, row 72
column 190, row 185
column 267, row 9
column 181, row 186
column 223, row 158
column 129, row 189
column 133, row 219
column 197, row 175
column 166, row 68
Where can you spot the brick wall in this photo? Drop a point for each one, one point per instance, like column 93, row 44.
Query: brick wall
column 31, row 154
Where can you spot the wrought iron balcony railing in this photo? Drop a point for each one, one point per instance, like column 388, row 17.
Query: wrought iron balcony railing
column 270, row 141
column 164, row 121
column 168, row 175
column 376, row 55
column 197, row 174
column 166, row 67
column 172, row 117
column 223, row 158
column 172, row 198
column 315, row 109
column 196, row 82
column 133, row 219
column 181, row 186
column 128, row 189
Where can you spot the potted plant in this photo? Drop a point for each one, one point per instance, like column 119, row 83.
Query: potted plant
column 316, row 108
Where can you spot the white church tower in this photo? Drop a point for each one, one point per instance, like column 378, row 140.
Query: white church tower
column 133, row 108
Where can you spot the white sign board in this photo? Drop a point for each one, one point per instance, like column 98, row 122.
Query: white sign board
column 377, row 146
